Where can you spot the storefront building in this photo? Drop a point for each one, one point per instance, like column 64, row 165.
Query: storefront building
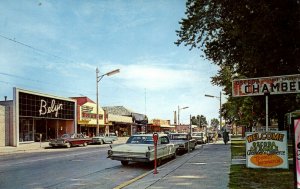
column 120, row 125
column 6, row 122
column 138, row 121
column 87, row 117
column 153, row 126
column 36, row 116
column 160, row 125
column 2, row 125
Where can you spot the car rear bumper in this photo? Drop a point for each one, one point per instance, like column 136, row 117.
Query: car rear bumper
column 133, row 159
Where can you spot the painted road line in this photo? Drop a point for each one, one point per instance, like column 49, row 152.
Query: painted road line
column 124, row 184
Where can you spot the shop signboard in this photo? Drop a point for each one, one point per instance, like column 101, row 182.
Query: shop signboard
column 267, row 149
column 271, row 85
column 35, row 105
column 297, row 148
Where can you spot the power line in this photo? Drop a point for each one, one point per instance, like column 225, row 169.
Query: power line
column 49, row 54
column 34, row 48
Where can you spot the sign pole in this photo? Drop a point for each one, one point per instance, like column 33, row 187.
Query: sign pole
column 155, row 140
column 267, row 111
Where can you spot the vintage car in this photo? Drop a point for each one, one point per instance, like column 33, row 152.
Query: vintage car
column 200, row 137
column 104, row 138
column 69, row 140
column 140, row 148
column 184, row 141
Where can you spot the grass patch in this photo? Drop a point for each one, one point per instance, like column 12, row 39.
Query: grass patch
column 242, row 177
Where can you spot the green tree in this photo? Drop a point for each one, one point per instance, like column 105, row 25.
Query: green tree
column 246, row 39
column 199, row 120
column 215, row 123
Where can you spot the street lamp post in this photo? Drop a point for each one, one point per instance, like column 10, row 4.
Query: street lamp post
column 98, row 79
column 179, row 111
column 220, row 98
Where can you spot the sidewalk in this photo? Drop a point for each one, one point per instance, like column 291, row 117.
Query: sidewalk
column 208, row 167
column 37, row 146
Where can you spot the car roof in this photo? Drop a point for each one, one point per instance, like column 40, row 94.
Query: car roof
column 150, row 134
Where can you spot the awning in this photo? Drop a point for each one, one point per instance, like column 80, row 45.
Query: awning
column 119, row 118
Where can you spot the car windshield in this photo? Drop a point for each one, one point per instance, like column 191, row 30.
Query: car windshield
column 140, row 140
column 178, row 137
column 197, row 134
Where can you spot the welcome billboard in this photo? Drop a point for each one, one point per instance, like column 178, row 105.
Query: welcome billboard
column 260, row 86
column 267, row 149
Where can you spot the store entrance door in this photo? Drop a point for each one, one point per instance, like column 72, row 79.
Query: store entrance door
column 26, row 130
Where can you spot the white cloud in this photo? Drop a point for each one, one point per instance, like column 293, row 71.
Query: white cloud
column 156, row 78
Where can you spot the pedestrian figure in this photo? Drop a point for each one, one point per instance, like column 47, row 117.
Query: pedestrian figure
column 117, row 133
column 215, row 137
column 225, row 137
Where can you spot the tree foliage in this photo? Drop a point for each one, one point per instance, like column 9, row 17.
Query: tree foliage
column 214, row 123
column 246, row 39
column 199, row 120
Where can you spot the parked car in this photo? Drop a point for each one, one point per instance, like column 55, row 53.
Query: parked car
column 104, row 138
column 184, row 141
column 69, row 140
column 200, row 137
column 140, row 148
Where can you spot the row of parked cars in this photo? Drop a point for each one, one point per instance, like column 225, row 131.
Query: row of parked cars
column 70, row 140
column 140, row 147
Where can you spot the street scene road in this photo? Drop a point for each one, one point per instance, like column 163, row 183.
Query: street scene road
column 89, row 167
column 66, row 168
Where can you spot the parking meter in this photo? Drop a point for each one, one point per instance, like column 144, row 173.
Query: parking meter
column 155, row 139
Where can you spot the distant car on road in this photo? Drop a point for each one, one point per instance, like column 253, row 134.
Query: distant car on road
column 70, row 140
column 184, row 141
column 140, row 148
column 104, row 138
column 200, row 137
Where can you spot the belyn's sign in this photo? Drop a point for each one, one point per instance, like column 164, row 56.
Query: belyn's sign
column 267, row 149
column 48, row 109
column 263, row 85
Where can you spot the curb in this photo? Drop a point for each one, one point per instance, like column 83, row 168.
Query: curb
column 127, row 183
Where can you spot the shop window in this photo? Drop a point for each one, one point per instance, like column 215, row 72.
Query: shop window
column 26, row 130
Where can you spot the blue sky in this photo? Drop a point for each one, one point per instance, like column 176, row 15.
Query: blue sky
column 63, row 42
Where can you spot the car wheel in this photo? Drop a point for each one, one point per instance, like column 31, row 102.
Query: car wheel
column 124, row 163
column 68, row 145
column 85, row 144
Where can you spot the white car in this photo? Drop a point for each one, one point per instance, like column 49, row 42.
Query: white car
column 184, row 141
column 140, row 148
column 200, row 137
column 104, row 138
